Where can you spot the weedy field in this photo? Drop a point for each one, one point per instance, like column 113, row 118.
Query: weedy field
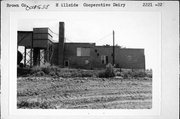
column 84, row 89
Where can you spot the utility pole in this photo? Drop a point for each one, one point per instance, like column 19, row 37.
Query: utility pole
column 31, row 53
column 113, row 49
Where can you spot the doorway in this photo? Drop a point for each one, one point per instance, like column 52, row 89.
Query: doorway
column 66, row 63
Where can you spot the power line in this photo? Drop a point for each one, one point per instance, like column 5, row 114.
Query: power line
column 55, row 33
column 64, row 37
column 95, row 41
column 104, row 37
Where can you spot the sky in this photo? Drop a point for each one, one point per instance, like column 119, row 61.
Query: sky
column 132, row 29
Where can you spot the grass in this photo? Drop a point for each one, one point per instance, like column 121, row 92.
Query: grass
column 54, row 71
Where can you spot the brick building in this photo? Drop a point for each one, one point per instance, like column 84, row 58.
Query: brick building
column 76, row 55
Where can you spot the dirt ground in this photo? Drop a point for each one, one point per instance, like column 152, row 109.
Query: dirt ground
column 84, row 93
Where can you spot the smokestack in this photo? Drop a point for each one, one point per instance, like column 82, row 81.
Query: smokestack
column 61, row 44
column 113, row 48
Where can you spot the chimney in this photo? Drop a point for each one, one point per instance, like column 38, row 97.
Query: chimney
column 61, row 44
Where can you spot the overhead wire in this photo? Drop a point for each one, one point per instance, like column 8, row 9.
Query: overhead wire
column 104, row 37
column 55, row 33
column 95, row 41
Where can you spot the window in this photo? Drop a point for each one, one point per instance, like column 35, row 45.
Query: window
column 104, row 59
column 78, row 51
column 107, row 60
column 83, row 51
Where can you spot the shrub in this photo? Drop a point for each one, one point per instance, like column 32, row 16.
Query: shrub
column 139, row 74
column 86, row 74
column 42, row 70
column 109, row 72
column 23, row 71
column 39, row 73
column 134, row 74
column 74, row 73
column 46, row 69
column 119, row 74
column 35, row 69
column 52, row 73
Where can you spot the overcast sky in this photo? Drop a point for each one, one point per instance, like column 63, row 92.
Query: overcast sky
column 132, row 29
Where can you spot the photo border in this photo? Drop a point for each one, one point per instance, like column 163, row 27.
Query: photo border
column 9, row 25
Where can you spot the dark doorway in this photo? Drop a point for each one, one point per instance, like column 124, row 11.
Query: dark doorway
column 66, row 63
column 107, row 60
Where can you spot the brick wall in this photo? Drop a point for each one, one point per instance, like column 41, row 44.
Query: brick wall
column 78, row 61
column 124, row 58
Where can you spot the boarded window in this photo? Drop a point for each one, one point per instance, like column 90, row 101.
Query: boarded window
column 83, row 51
column 78, row 51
